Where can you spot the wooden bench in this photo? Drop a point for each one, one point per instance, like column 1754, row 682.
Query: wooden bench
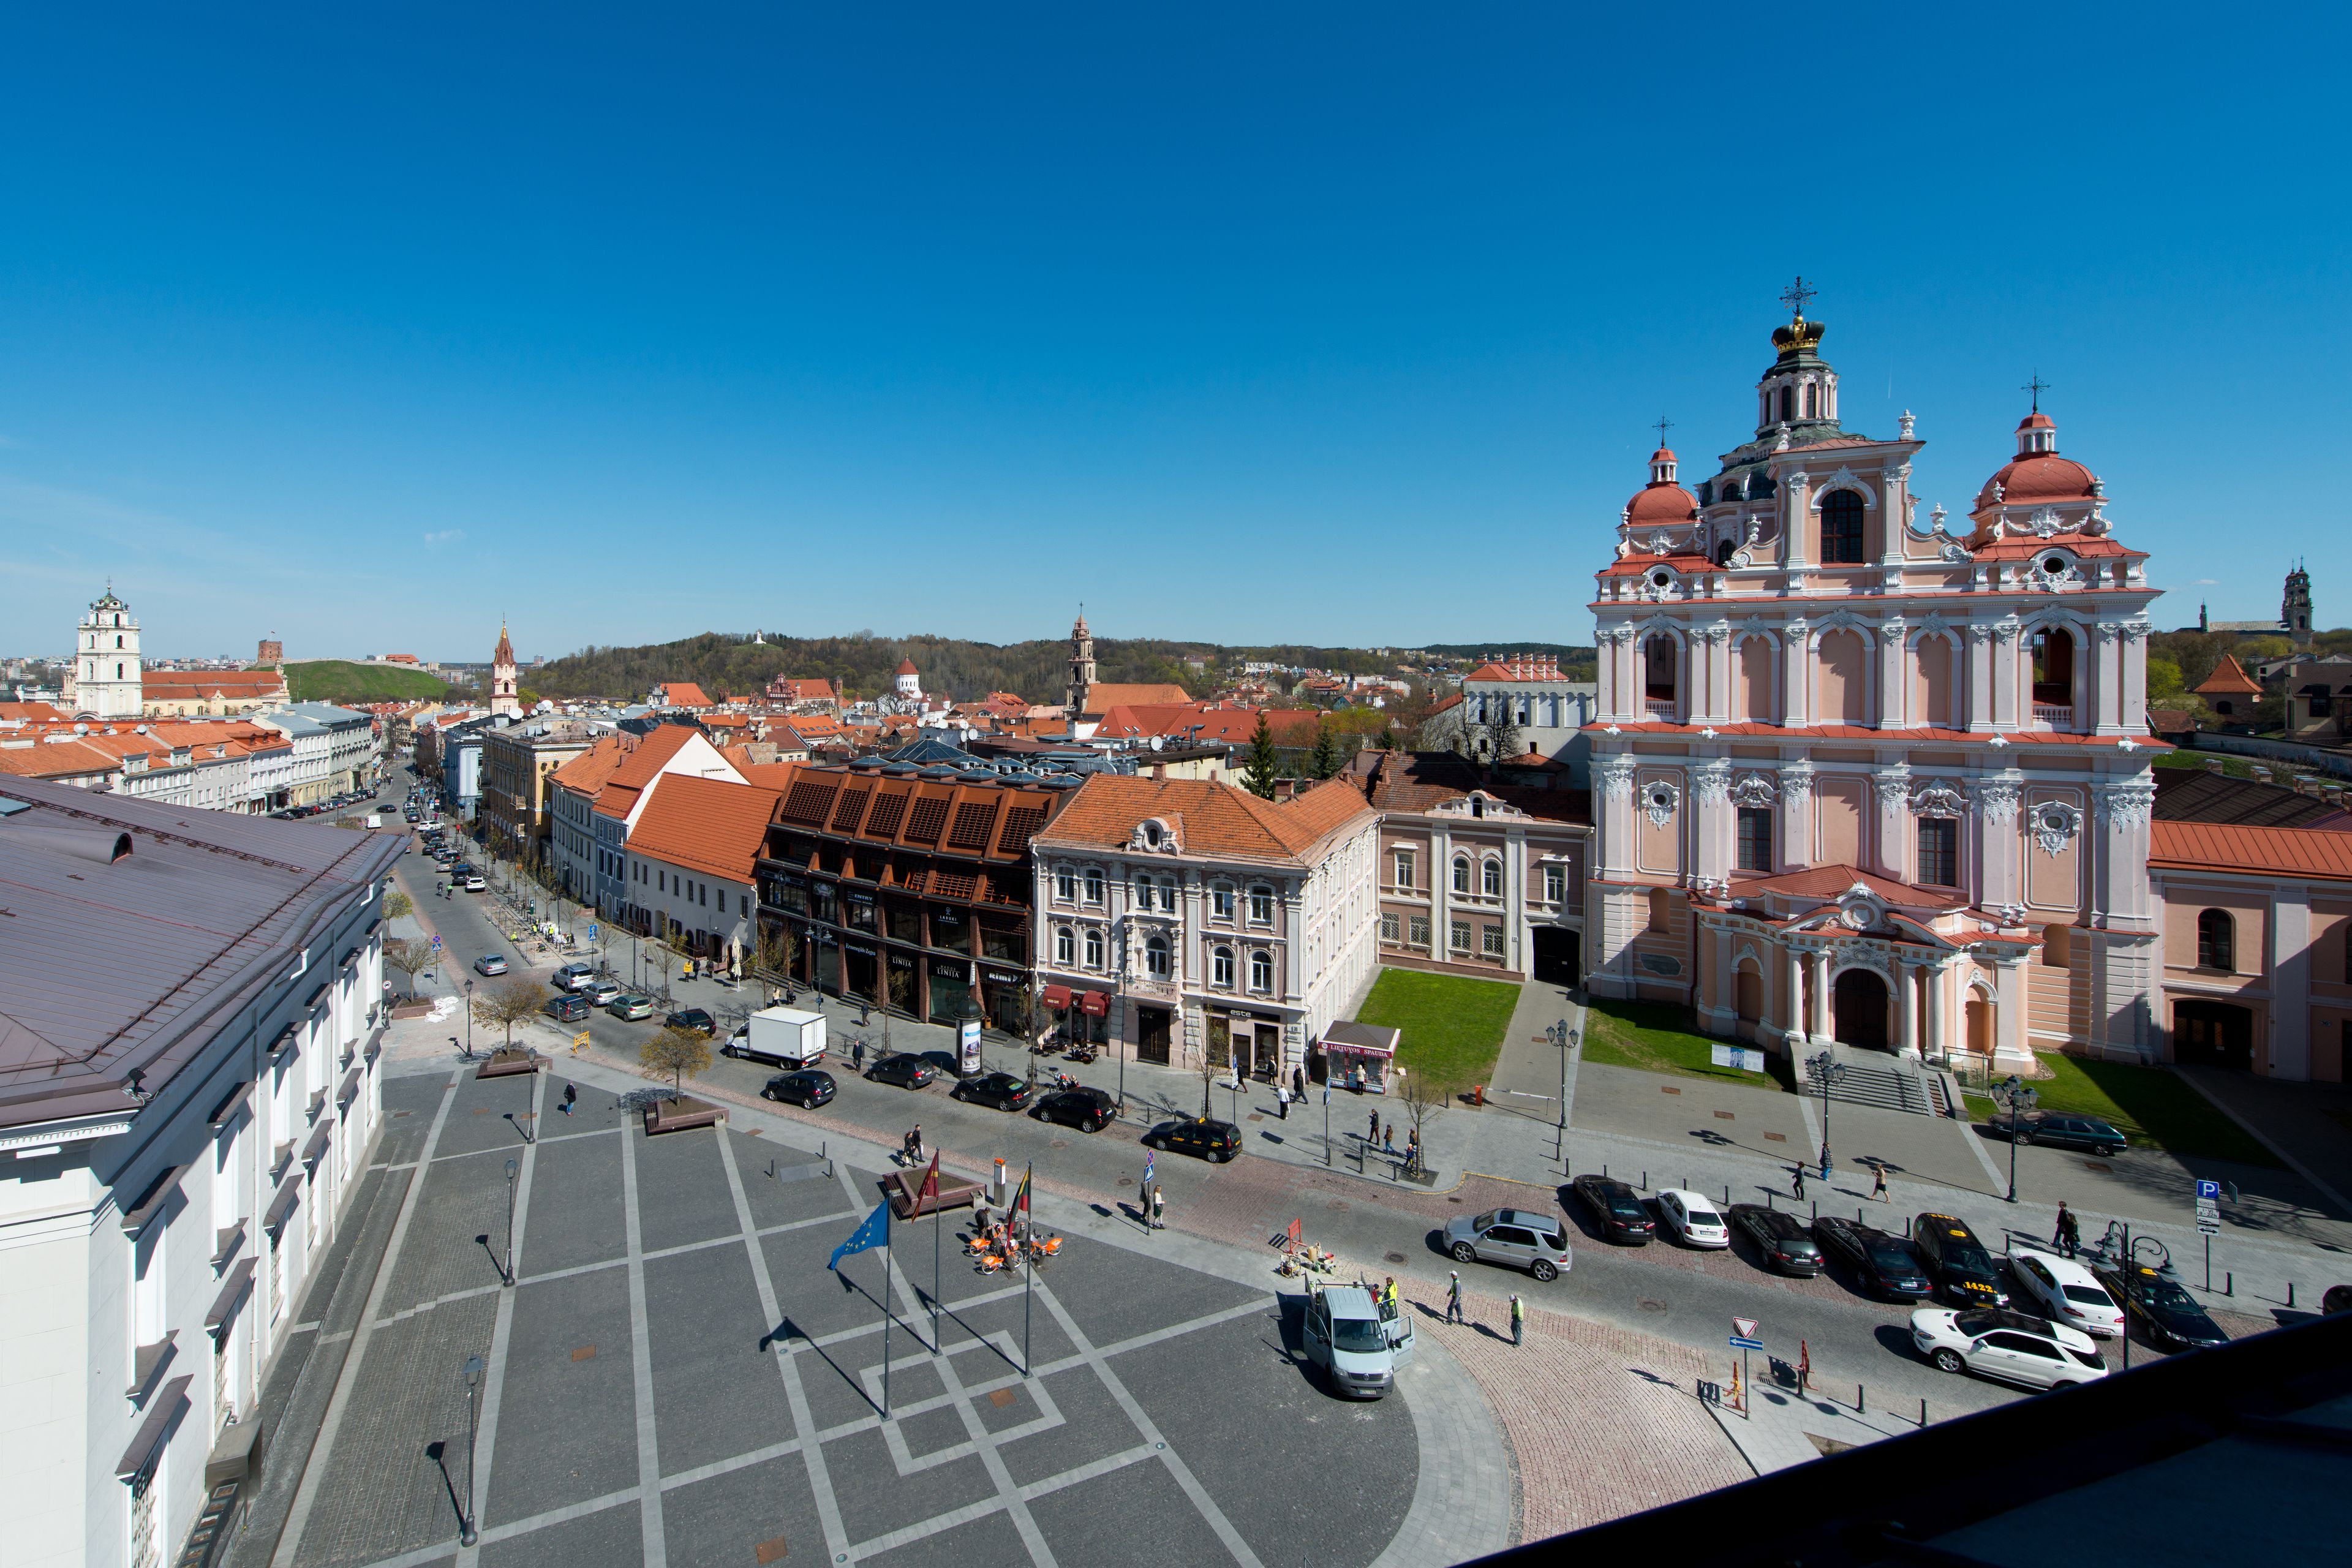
column 510, row 1064
column 677, row 1115
column 905, row 1188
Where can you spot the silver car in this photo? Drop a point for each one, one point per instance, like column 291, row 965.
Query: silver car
column 1519, row 1237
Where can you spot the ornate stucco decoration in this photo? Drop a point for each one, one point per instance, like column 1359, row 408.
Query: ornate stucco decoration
column 2055, row 823
column 1752, row 790
column 1939, row 797
column 1660, row 797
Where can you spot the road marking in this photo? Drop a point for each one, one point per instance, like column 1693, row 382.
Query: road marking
column 502, row 1333
column 641, row 1368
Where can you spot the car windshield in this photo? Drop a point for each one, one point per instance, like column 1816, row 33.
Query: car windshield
column 1966, row 1258
column 1361, row 1335
column 1702, row 1214
column 2164, row 1293
column 2087, row 1295
column 1484, row 1221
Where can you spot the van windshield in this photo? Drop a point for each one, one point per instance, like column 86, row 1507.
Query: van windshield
column 1358, row 1335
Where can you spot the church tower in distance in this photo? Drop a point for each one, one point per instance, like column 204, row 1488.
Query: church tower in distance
column 107, row 680
column 1082, row 669
column 2295, row 609
column 504, row 697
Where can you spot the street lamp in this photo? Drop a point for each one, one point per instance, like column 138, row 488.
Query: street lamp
column 1826, row 1070
column 1566, row 1039
column 506, row 1274
column 466, row 1535
column 469, row 1020
column 2016, row 1099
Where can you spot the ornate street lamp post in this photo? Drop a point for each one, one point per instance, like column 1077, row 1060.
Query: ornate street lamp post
column 2016, row 1099
column 1826, row 1070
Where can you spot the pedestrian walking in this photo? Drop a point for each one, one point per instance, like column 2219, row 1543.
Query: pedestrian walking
column 1454, row 1297
column 1373, row 1134
column 1299, row 1085
column 1412, row 1150
column 1797, row 1181
column 1388, row 1137
column 1159, row 1208
column 1282, row 1101
column 2069, row 1236
column 1878, row 1187
column 571, row 1097
column 857, row 1053
column 1519, row 1319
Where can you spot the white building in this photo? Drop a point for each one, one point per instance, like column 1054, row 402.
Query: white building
column 177, row 1146
column 693, row 859
column 669, row 749
column 334, row 748
column 106, row 680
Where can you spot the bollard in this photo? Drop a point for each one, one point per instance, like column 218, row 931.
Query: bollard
column 2229, row 1283
column 2290, row 1292
column 1645, row 1181
column 1769, row 1196
column 1604, row 1170
column 1923, row 1413
column 1861, row 1399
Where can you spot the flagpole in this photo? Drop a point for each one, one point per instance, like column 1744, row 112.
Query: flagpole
column 1028, row 1263
column 885, row 1309
column 935, row 1271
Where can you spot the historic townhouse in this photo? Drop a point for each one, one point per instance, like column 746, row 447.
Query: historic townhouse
column 1859, row 776
column 1182, row 920
column 667, row 750
column 517, row 761
column 693, row 865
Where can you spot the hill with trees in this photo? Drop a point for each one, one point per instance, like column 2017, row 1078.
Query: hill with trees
column 341, row 680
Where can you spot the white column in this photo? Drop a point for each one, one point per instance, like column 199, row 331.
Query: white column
column 1820, row 1021
column 1796, row 1009
column 1796, row 690
column 1907, row 982
column 1937, row 986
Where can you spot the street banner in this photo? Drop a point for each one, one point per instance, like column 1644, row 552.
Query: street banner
column 874, row 1232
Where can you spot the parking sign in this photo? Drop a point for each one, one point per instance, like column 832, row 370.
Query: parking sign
column 2208, row 1191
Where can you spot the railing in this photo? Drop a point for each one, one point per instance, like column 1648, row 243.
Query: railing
column 1661, row 709
column 2053, row 716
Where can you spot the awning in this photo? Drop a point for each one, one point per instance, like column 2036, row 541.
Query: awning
column 1095, row 1004
column 233, row 1289
column 1349, row 1038
column 274, row 1220
column 1058, row 997
column 140, row 1457
column 316, row 1148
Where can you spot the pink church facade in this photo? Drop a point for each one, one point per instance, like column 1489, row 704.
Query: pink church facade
column 1858, row 776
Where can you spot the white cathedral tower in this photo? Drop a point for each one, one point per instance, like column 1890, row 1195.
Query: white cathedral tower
column 107, row 681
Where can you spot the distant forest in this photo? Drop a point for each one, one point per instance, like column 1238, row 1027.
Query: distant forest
column 732, row 663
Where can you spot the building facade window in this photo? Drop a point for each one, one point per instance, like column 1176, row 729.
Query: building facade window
column 1155, row 957
column 1756, row 839
column 1391, row 928
column 1065, row 946
column 1261, row 971
column 1460, row 935
column 1221, row 968
column 1940, row 852
column 1094, row 949
column 1094, row 886
column 1419, row 931
column 1221, row 901
column 1490, row 938
column 1065, row 886
column 1555, row 884
column 1842, row 529
column 1490, row 879
column 2216, row 941
column 1462, row 873
column 1261, row 906
column 1404, row 869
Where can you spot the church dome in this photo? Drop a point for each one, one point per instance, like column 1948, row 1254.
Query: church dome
column 1662, row 500
column 907, row 666
column 2038, row 475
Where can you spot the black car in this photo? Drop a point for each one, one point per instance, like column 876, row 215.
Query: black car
column 694, row 1018
column 1215, row 1141
column 1884, row 1264
column 2169, row 1317
column 1964, row 1272
column 1616, row 1209
column 1088, row 1110
column 566, row 1009
column 2059, row 1129
column 1000, row 1089
column 808, row 1088
column 1780, row 1237
column 906, row 1071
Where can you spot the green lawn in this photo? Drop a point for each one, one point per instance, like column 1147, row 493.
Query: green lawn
column 2153, row 1107
column 1453, row 1026
column 1655, row 1037
column 341, row 680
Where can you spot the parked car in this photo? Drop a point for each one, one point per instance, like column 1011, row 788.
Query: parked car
column 1000, row 1090
column 1343, row 1335
column 630, row 1005
column 694, row 1018
column 808, row 1089
column 1519, row 1237
column 1884, row 1264
column 1964, row 1272
column 1088, row 1110
column 600, row 990
column 906, row 1071
column 1205, row 1138
column 490, row 963
column 573, row 976
column 2010, row 1346
column 2169, row 1317
column 1781, row 1237
column 1616, row 1209
column 2065, row 1292
column 1693, row 1219
column 2060, row 1130
column 474, row 883
column 566, row 1009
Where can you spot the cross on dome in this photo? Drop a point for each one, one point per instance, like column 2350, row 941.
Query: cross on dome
column 2037, row 386
column 1798, row 295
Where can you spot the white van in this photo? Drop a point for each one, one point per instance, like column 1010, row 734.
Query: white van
column 781, row 1036
column 1359, row 1352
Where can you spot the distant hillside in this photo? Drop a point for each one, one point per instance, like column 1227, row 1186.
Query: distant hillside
column 340, row 680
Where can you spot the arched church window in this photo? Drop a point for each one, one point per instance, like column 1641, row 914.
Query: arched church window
column 2053, row 666
column 1788, row 404
column 1812, row 400
column 1842, row 529
column 1723, row 550
column 2216, row 941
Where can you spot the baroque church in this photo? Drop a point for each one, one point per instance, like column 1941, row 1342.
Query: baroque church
column 1863, row 776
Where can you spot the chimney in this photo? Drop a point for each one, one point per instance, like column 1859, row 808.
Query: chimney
column 1159, row 770
column 2213, row 765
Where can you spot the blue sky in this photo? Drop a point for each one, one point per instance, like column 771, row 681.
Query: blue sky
column 1292, row 323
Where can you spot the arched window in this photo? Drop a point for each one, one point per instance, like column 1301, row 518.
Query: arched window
column 1490, row 876
column 1658, row 668
column 1842, row 529
column 1094, row 949
column 1065, row 946
column 1261, row 971
column 1221, row 967
column 2053, row 666
column 1812, row 400
column 1788, row 404
column 1462, row 873
column 2216, row 941
column 1155, row 957
column 1662, row 910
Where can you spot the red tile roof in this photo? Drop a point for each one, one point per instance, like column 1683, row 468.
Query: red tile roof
column 1208, row 818
column 643, row 765
column 2230, row 679
column 36, row 711
column 2294, row 853
column 709, row 825
column 593, row 769
column 684, row 694
column 1106, row 695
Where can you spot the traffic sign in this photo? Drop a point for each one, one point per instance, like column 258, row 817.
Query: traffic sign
column 1741, row 1343
column 436, row 944
column 2209, row 1192
column 2208, row 1217
column 1745, row 1327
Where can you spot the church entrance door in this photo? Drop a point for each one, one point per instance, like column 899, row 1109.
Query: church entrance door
column 1858, row 1000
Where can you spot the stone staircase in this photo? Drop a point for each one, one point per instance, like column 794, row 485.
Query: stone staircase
column 1881, row 1079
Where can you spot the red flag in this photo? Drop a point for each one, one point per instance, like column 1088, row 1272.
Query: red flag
column 930, row 1192
column 1021, row 1198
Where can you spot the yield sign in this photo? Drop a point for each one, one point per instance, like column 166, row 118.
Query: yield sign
column 1743, row 1327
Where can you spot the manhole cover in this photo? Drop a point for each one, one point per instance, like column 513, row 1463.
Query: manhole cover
column 1647, row 1305
column 1726, row 1116
column 2097, row 1165
column 1392, row 1257
column 1775, row 1137
column 1668, row 1089
column 1059, row 1144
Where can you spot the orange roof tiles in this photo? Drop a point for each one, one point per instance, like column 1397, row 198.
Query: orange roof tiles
column 1106, row 695
column 38, row 712
column 593, row 769
column 61, row 759
column 709, row 825
column 684, row 694
column 2230, row 679
column 1208, row 818
column 2294, row 853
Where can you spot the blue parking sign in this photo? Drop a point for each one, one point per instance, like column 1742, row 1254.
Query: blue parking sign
column 2208, row 1190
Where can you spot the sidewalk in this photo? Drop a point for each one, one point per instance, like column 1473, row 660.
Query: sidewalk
column 1785, row 1426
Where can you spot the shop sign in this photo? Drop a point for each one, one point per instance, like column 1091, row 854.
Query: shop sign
column 1003, row 977
column 859, row 948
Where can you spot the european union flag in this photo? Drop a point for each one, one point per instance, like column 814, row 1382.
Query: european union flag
column 874, row 1232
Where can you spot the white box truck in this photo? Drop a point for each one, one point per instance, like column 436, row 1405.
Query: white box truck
column 783, row 1037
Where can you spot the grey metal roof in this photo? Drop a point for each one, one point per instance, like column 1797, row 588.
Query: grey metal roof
column 112, row 962
column 326, row 713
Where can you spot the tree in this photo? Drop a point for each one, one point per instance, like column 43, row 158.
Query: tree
column 507, row 1004
column 678, row 1054
column 1325, row 759
column 411, row 956
column 1501, row 731
column 398, row 904
column 1426, row 1099
column 1262, row 767
column 2163, row 677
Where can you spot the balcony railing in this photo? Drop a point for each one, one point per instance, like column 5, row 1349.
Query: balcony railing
column 2053, row 716
column 1659, row 709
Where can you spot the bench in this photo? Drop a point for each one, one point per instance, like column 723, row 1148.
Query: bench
column 905, row 1188
column 504, row 1063
column 677, row 1115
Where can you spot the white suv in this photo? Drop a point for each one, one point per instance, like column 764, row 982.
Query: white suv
column 1994, row 1343
column 1695, row 1221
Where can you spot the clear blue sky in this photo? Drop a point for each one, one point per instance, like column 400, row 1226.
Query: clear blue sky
column 361, row 325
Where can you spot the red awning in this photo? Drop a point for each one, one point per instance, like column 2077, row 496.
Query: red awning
column 1058, row 997
column 1096, row 1003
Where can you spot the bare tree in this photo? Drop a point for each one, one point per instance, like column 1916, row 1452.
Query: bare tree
column 411, row 956
column 507, row 1004
column 678, row 1054
column 1426, row 1099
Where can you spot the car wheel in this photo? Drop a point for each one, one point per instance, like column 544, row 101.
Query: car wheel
column 1092, row 1127
column 1948, row 1361
column 1464, row 1253
column 1544, row 1271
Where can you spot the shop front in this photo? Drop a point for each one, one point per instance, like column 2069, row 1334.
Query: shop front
column 1090, row 1018
column 1359, row 1057
column 1004, row 999
column 950, row 990
column 861, row 969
